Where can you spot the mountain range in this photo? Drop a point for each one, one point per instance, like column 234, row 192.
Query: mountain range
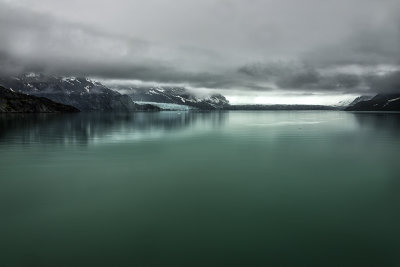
column 176, row 95
column 88, row 95
column 82, row 93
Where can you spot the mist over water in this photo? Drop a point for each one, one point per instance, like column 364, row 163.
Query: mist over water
column 278, row 188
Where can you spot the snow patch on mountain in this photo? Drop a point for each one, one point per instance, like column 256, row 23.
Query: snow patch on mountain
column 395, row 99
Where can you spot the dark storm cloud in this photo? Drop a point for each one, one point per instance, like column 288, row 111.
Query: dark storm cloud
column 378, row 44
column 312, row 80
column 387, row 83
column 257, row 45
column 292, row 75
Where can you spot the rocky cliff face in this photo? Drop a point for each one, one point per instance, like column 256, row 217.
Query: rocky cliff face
column 14, row 102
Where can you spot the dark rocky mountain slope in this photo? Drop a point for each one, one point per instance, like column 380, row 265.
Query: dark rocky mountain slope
column 381, row 102
column 11, row 101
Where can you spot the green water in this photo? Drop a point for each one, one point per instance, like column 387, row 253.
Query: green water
column 200, row 189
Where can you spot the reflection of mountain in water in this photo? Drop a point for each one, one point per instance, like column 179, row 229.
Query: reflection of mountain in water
column 83, row 128
column 379, row 122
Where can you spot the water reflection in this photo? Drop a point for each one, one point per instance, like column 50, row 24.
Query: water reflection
column 86, row 127
column 380, row 122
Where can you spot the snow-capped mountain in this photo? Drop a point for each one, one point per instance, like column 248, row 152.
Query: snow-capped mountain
column 352, row 101
column 82, row 93
column 360, row 99
column 176, row 95
column 381, row 102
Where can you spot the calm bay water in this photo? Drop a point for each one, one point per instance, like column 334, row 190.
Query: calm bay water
column 200, row 189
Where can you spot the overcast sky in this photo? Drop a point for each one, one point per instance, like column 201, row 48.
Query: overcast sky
column 263, row 51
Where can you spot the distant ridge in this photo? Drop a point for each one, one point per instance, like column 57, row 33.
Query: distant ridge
column 281, row 107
